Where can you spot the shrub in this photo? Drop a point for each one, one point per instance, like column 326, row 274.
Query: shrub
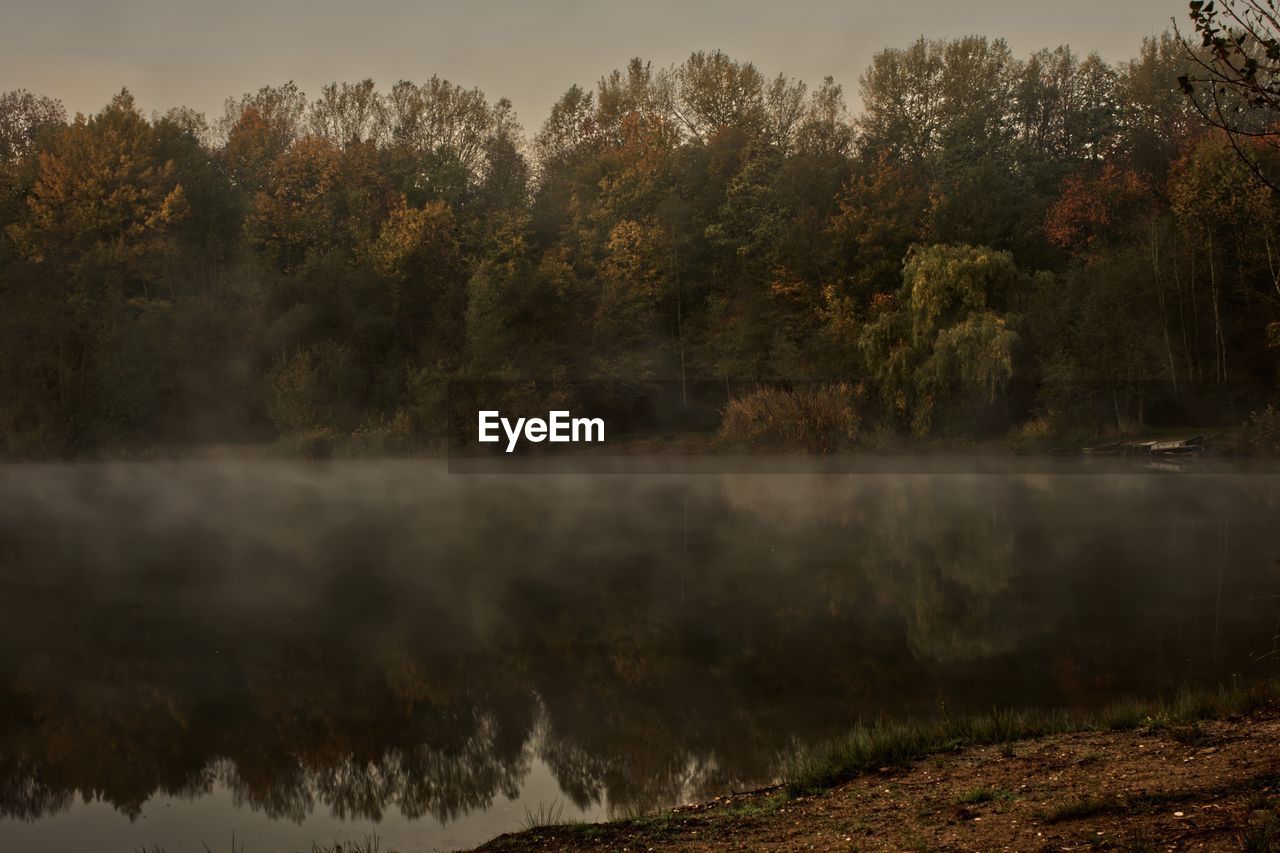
column 427, row 403
column 817, row 419
column 1049, row 431
column 319, row 443
column 382, row 436
column 312, row 390
column 1260, row 435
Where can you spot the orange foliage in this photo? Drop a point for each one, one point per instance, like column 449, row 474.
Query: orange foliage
column 1091, row 206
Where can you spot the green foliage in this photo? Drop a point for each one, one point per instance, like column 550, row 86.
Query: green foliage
column 1099, row 340
column 870, row 746
column 984, row 794
column 943, row 344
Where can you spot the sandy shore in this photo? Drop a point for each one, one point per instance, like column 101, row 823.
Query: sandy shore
column 1213, row 785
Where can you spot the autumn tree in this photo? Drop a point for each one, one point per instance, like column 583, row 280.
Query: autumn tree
column 23, row 117
column 259, row 127
column 102, row 194
column 98, row 227
column 1095, row 207
column 349, row 114
column 990, row 234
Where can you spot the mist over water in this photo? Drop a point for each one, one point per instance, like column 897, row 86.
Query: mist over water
column 308, row 652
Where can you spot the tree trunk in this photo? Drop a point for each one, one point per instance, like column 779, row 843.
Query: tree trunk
column 1182, row 320
column 1219, row 342
column 1195, row 320
column 1164, row 313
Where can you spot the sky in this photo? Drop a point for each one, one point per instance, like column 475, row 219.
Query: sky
column 196, row 54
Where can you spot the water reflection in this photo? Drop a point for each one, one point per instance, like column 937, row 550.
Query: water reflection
column 361, row 638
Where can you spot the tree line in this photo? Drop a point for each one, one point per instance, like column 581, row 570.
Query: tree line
column 1059, row 239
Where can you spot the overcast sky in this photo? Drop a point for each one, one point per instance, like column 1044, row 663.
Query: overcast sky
column 179, row 52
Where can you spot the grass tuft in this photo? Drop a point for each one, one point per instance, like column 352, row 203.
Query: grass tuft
column 1077, row 809
column 370, row 844
column 1262, row 834
column 984, row 794
column 870, row 746
column 545, row 815
column 754, row 807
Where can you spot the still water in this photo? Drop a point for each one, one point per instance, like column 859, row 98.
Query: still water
column 314, row 652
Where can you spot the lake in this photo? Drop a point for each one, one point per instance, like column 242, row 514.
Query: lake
column 313, row 652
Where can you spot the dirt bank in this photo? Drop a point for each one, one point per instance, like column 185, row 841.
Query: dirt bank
column 1209, row 786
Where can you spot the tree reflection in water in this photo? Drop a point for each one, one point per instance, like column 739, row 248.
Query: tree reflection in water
column 359, row 637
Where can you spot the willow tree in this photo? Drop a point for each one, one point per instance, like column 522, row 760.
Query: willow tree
column 943, row 342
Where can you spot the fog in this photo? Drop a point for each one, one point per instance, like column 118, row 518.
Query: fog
column 342, row 643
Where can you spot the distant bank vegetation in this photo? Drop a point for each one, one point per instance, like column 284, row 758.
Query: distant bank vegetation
column 817, row 420
column 993, row 241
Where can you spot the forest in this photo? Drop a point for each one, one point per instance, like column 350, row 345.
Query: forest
column 991, row 245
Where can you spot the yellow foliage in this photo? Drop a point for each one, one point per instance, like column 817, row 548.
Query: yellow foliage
column 636, row 257
column 101, row 187
column 411, row 233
